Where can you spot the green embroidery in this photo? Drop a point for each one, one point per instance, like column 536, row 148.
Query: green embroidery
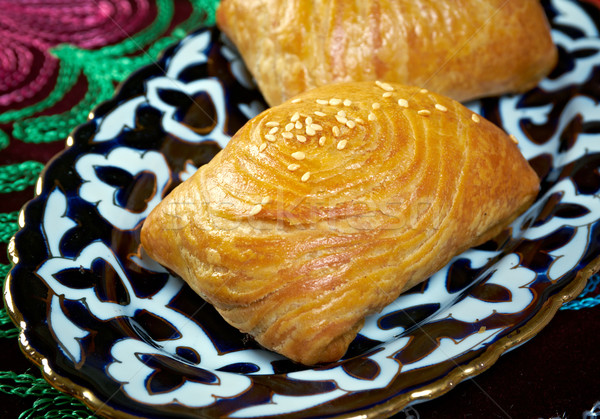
column 4, row 140
column 8, row 225
column 16, row 177
column 50, row 402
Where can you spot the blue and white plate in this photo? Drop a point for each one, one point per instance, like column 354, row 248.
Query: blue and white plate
column 112, row 327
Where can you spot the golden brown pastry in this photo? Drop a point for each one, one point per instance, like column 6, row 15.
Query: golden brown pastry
column 322, row 210
column 461, row 48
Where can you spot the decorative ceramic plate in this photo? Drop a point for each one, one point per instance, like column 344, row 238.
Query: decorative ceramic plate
column 123, row 334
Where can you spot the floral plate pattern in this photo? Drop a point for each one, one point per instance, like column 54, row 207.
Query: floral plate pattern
column 114, row 328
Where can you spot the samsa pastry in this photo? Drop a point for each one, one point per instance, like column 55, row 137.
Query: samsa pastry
column 321, row 211
column 463, row 49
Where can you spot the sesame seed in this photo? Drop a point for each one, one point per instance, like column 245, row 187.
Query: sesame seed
column 295, row 117
column 289, row 126
column 293, row 167
column 310, row 131
column 342, row 113
column 424, row 91
column 322, row 102
column 403, row 103
column 371, row 116
column 287, row 135
column 376, row 105
column 270, row 138
column 387, row 94
column 301, row 138
column 308, row 120
column 266, row 200
column 298, row 125
column 342, row 145
column 319, row 113
column 305, row 177
column 347, row 102
column 273, row 130
column 256, row 209
column 299, row 155
column 262, row 147
column 322, row 141
column 359, row 120
column 316, row 127
column 272, row 124
column 441, row 107
column 424, row 112
column 350, row 124
column 475, row 118
column 336, row 131
column 341, row 119
column 514, row 139
column 384, row 86
column 335, row 101
column 296, row 101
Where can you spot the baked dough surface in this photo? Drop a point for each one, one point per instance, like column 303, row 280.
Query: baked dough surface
column 324, row 209
column 463, row 49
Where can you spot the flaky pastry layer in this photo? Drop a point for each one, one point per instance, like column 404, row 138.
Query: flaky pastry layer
column 322, row 210
column 463, row 49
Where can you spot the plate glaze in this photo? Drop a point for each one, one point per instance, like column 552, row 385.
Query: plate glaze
column 110, row 326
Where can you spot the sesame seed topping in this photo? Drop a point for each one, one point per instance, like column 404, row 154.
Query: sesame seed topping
column 376, row 105
column 350, row 124
column 272, row 124
column 322, row 102
column 475, row 118
column 301, row 138
column 335, row 101
column 299, row 155
column 403, row 103
column 256, row 209
column 295, row 117
column 316, row 127
column 424, row 112
column 342, row 145
column 322, row 141
column 441, row 107
column 266, row 200
column 342, row 113
column 310, row 131
column 347, row 102
column 273, row 130
column 270, row 138
column 359, row 120
column 305, row 177
column 514, row 139
column 387, row 94
column 298, row 125
column 424, row 91
column 262, row 147
column 319, row 113
column 384, row 86
column 293, row 167
column 289, row 126
column 341, row 119
column 371, row 116
column 336, row 131
column 308, row 120
column 287, row 135
column 296, row 101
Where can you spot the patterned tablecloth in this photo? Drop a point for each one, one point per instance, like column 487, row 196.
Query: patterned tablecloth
column 59, row 59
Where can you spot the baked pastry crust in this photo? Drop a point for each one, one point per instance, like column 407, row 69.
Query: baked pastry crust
column 322, row 210
column 463, row 49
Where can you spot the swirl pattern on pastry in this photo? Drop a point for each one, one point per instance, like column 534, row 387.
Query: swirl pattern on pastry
column 322, row 210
